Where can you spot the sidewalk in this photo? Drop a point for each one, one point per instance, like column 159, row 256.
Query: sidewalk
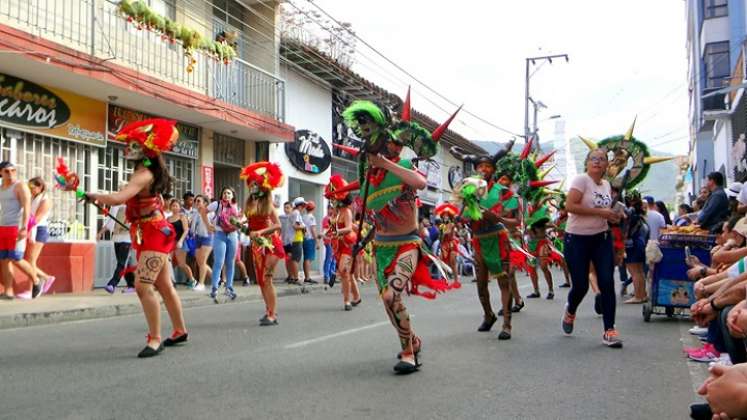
column 50, row 309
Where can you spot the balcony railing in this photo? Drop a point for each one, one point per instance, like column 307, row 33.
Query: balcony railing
column 95, row 27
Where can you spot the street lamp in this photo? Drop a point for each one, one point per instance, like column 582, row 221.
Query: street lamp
column 533, row 61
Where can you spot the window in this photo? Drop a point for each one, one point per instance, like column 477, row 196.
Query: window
column 165, row 8
column 717, row 65
column 229, row 12
column 36, row 155
column 715, row 8
column 262, row 151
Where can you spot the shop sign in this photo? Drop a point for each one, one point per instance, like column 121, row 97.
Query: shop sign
column 309, row 152
column 208, row 181
column 51, row 112
column 432, row 172
column 455, row 176
column 187, row 145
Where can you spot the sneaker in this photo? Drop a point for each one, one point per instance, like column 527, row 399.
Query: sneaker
column 707, row 354
column 723, row 360
column 611, row 338
column 598, row 303
column 565, row 285
column 109, row 289
column 48, row 283
column 199, row 288
column 214, row 293
column 191, row 284
column 128, row 290
column 36, row 290
column 231, row 294
column 534, row 295
column 567, row 321
column 247, row 282
column 550, row 296
column 696, row 330
column 698, row 350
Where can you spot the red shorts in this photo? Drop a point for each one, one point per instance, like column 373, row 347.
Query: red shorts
column 10, row 247
column 157, row 236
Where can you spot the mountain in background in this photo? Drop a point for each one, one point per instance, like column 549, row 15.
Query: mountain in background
column 659, row 183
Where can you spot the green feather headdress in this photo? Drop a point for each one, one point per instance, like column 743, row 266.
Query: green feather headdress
column 360, row 109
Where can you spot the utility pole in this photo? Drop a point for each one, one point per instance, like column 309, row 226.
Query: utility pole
column 527, row 76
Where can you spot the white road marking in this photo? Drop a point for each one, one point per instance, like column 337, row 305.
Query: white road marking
column 335, row 335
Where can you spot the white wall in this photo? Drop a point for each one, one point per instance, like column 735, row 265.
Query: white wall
column 714, row 30
column 308, row 107
column 722, row 147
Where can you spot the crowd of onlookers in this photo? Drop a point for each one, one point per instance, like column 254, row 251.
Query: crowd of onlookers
column 720, row 309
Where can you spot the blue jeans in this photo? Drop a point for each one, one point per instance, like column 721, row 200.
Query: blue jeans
column 580, row 251
column 224, row 252
column 329, row 262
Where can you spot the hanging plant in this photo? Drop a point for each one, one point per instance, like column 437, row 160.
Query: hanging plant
column 138, row 13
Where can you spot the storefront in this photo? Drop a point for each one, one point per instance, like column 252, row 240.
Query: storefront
column 228, row 158
column 38, row 124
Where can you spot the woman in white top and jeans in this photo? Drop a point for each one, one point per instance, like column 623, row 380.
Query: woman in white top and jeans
column 226, row 239
column 588, row 240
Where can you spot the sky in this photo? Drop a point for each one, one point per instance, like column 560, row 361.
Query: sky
column 627, row 58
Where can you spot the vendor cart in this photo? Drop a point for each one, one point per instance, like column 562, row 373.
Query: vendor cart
column 668, row 287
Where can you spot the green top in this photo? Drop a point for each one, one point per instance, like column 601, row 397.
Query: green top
column 389, row 188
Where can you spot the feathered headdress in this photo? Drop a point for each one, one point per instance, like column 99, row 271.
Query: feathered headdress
column 267, row 176
column 446, row 208
column 338, row 188
column 156, row 135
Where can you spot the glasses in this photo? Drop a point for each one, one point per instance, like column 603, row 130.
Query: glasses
column 597, row 159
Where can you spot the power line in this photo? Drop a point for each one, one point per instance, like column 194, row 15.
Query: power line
column 398, row 67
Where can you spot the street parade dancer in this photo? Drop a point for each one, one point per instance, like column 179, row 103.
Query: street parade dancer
column 262, row 225
column 343, row 237
column 540, row 246
column 153, row 237
column 449, row 243
column 480, row 196
column 389, row 186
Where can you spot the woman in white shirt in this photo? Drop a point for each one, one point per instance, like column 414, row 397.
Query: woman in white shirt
column 41, row 206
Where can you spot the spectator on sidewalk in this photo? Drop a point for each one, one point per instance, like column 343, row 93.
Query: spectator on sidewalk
column 700, row 201
column 225, row 240
column 41, row 207
column 664, row 211
column 716, row 209
column 180, row 222
column 15, row 212
column 122, row 244
column 296, row 221
column 310, row 240
column 203, row 240
column 654, row 219
column 683, row 215
column 287, row 233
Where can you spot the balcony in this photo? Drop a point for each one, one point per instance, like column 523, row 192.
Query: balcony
column 714, row 102
column 95, row 27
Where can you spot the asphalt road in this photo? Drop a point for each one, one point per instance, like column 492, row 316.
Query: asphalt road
column 323, row 363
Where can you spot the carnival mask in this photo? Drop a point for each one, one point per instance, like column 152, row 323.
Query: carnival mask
column 255, row 192
column 134, row 151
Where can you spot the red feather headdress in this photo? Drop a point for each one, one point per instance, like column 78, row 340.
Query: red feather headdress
column 156, row 135
column 266, row 175
column 446, row 208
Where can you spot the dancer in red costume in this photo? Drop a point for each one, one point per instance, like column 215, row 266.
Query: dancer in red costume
column 344, row 237
column 264, row 230
column 153, row 237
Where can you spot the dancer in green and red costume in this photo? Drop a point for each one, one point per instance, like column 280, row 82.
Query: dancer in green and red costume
column 540, row 246
column 388, row 185
column 481, row 197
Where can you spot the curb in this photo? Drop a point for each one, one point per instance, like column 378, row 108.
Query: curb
column 108, row 311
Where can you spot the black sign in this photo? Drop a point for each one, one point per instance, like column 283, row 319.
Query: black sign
column 188, row 135
column 27, row 104
column 309, row 152
column 455, row 176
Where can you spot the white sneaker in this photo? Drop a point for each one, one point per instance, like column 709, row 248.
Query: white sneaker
column 723, row 360
column 199, row 288
column 696, row 330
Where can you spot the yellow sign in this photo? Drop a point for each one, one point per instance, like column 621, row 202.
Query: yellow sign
column 51, row 112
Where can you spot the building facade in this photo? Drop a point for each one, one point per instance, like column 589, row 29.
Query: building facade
column 75, row 71
column 715, row 38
